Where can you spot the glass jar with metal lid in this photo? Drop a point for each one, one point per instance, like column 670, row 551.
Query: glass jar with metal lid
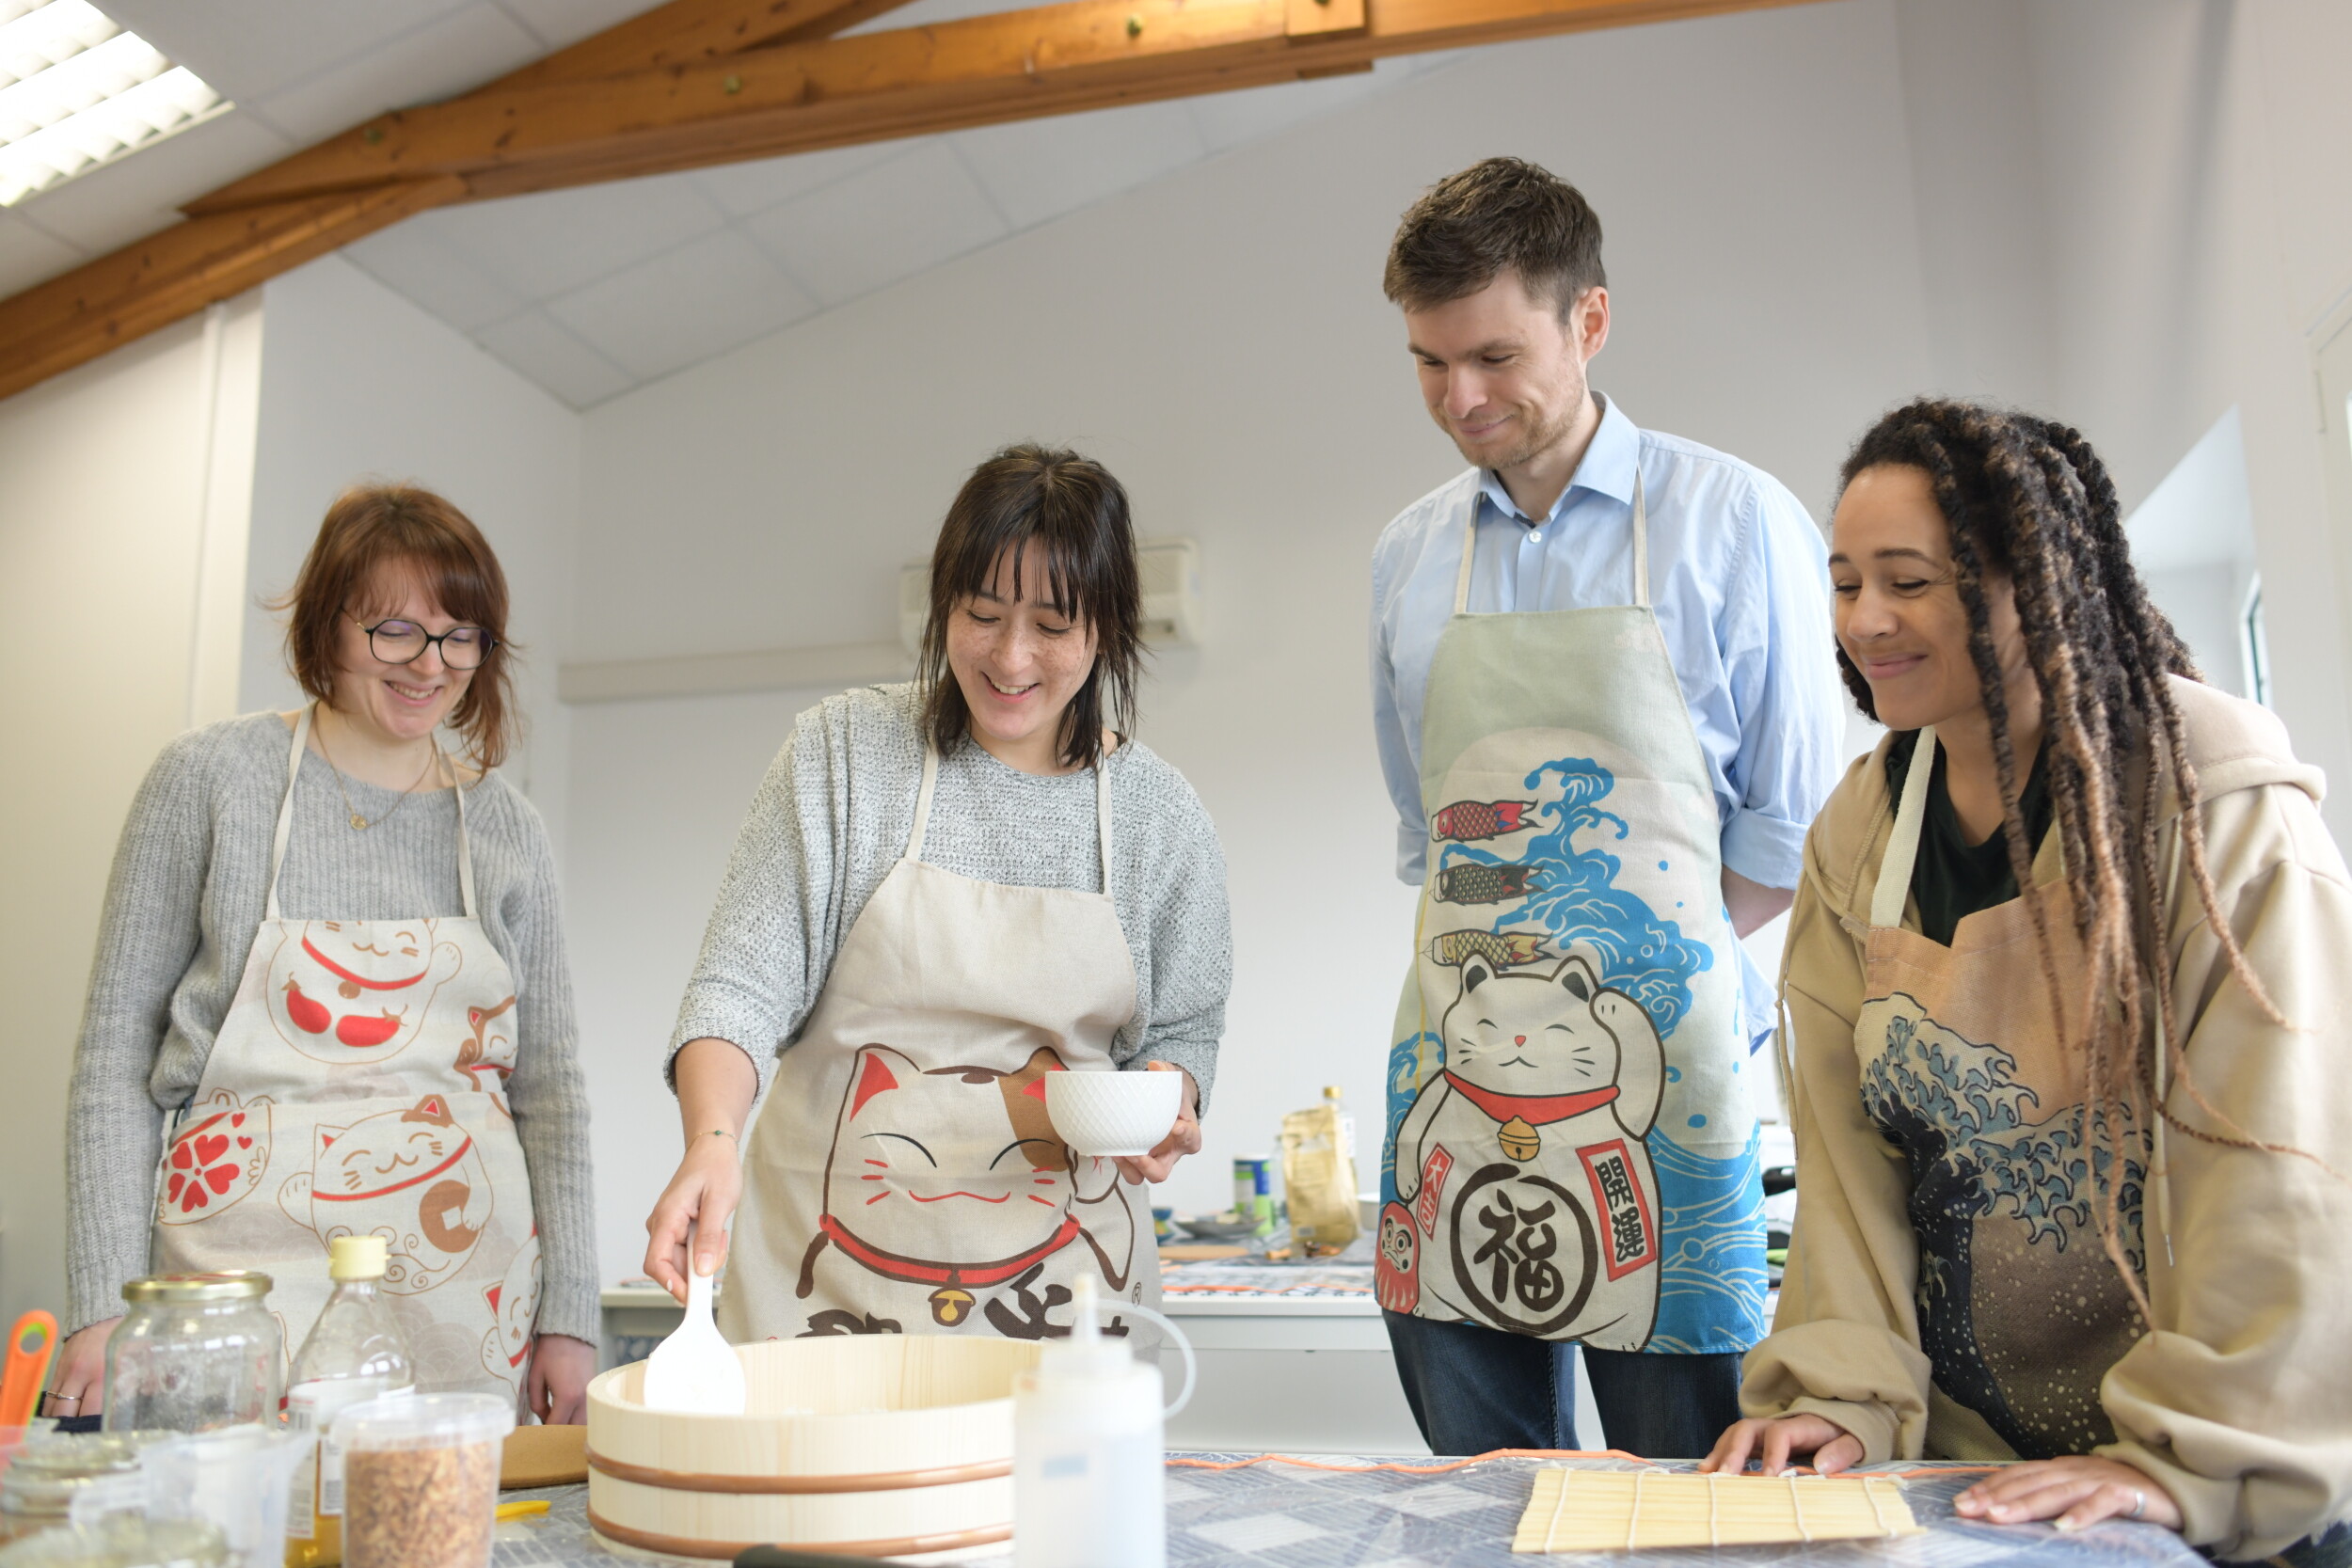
column 38, row 1492
column 194, row 1352
column 124, row 1541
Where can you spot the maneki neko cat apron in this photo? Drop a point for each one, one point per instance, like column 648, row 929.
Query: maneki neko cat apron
column 356, row 1085
column 1571, row 1152
column 902, row 1177
column 1966, row 1066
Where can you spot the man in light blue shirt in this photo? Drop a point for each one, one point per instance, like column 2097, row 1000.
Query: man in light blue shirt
column 1572, row 507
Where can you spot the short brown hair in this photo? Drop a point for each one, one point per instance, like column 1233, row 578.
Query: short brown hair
column 1076, row 514
column 374, row 526
column 1503, row 212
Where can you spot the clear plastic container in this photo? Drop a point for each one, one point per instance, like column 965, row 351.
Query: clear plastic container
column 123, row 1541
column 421, row 1479
column 194, row 1352
column 355, row 1352
column 38, row 1492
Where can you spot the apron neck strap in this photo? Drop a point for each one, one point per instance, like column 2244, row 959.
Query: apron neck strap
column 930, row 787
column 285, row 816
column 1902, row 849
column 1641, row 550
column 1103, row 815
column 923, row 801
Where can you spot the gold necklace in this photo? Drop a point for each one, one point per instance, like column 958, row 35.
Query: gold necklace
column 358, row 822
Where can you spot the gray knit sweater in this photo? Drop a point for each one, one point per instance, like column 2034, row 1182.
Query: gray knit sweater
column 189, row 887
column 832, row 815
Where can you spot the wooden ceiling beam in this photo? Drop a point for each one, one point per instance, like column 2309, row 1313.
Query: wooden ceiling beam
column 702, row 82
column 688, row 32
column 879, row 87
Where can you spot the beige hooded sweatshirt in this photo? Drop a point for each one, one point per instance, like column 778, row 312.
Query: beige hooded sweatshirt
column 2239, row 1399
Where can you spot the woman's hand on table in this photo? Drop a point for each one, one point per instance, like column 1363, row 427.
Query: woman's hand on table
column 78, row 1387
column 561, row 1367
column 1183, row 1139
column 1777, row 1441
column 2077, row 1492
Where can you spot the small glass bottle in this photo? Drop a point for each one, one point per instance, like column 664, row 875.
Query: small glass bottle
column 355, row 1352
column 194, row 1352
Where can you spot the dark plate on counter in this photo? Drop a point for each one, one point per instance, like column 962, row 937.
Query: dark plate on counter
column 1207, row 1228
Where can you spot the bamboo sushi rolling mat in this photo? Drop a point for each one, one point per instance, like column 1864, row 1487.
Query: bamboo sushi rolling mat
column 1603, row 1511
column 1225, row 1512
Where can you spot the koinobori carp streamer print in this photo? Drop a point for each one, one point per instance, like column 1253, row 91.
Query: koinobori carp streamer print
column 1467, row 821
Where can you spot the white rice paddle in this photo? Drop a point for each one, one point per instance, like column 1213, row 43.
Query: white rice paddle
column 695, row 1370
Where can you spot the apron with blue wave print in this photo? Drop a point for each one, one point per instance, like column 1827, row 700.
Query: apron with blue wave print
column 1571, row 1152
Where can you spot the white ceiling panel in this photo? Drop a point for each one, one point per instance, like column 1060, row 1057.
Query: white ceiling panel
column 1230, row 119
column 133, row 197
column 414, row 258
column 253, row 48
column 546, row 352
column 1037, row 169
column 744, row 189
column 27, row 254
column 685, row 305
column 922, row 13
column 889, row 222
column 547, row 244
column 444, row 57
column 558, row 22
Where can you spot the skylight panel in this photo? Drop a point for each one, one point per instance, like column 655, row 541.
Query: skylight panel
column 77, row 91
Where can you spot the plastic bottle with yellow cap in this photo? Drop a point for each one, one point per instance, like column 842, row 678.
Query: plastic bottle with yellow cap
column 355, row 1352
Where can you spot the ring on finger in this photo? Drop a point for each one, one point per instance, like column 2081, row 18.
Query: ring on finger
column 2139, row 1503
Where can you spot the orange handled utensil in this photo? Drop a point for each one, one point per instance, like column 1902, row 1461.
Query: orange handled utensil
column 31, row 1343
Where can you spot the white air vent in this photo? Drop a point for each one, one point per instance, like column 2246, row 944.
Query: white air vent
column 1170, row 574
column 1171, row 570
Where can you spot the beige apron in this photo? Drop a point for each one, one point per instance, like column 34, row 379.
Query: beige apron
column 902, row 1177
column 358, row 1086
column 1965, row 1065
column 1572, row 1153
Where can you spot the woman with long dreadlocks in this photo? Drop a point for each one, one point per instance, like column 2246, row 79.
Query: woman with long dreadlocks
column 2068, row 1158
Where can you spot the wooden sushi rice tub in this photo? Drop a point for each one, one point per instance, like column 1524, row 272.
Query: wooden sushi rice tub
column 867, row 1445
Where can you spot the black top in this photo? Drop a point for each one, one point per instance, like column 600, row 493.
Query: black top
column 1952, row 877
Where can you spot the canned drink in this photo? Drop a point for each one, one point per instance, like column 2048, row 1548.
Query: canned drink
column 1253, row 1190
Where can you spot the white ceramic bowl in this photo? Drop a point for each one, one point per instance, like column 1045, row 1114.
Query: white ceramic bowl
column 1113, row 1113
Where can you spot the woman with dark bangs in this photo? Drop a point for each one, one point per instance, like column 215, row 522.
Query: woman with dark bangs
column 2064, row 986
column 330, row 952
column 945, row 891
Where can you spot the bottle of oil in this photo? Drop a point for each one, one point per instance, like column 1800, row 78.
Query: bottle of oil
column 355, row 1352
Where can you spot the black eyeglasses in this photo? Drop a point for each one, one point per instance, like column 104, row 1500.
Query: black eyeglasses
column 405, row 642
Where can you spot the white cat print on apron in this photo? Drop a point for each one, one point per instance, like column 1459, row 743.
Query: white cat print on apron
column 358, row 1086
column 903, row 1176
column 1571, row 1152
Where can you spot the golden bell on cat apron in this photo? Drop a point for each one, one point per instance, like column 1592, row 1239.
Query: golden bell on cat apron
column 354, row 1112
column 903, row 1176
column 1573, row 1155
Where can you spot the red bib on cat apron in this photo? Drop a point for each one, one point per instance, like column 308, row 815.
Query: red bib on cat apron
column 357, row 1087
column 903, row 1176
column 1965, row 1066
column 1571, row 1152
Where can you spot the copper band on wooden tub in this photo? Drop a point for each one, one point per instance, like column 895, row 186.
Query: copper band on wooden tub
column 881, row 1480
column 905, row 1546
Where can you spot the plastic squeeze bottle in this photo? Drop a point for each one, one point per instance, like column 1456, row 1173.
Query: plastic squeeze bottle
column 1086, row 1451
column 355, row 1352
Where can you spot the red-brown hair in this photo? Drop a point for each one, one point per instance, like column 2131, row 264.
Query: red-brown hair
column 371, row 534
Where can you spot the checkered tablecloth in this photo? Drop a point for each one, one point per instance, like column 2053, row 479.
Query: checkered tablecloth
column 1292, row 1516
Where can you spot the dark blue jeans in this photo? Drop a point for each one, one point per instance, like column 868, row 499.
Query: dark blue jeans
column 1474, row 1388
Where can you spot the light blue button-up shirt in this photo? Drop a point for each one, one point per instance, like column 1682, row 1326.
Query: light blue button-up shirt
column 1739, row 578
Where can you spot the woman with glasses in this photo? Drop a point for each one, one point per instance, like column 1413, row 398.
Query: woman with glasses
column 331, row 997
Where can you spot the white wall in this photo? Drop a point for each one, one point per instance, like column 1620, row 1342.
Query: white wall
column 122, row 529
column 1220, row 340
column 358, row 382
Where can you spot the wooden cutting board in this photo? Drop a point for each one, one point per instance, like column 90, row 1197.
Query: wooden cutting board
column 544, row 1456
